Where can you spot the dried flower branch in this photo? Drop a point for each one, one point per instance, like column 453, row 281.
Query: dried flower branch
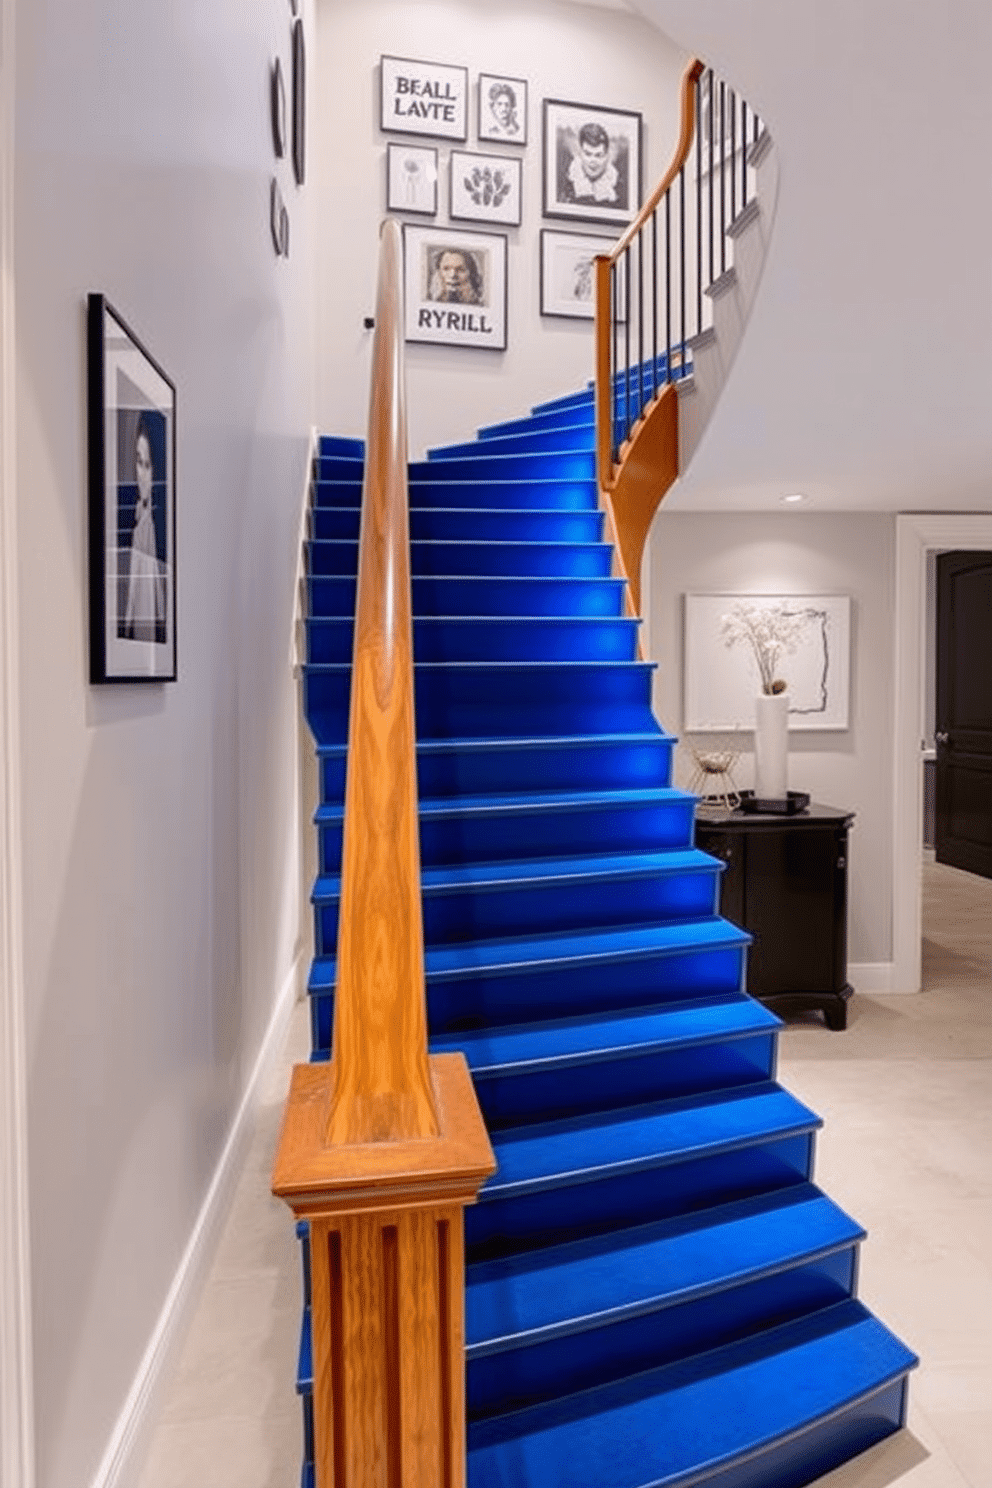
column 771, row 630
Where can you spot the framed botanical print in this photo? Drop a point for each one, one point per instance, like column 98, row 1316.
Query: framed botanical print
column 455, row 287
column 502, row 109
column 423, row 98
column 568, row 274
column 411, row 179
column 592, row 162
column 485, row 188
column 132, row 505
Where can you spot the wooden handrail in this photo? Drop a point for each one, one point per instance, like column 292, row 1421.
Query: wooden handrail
column 382, row 1081
column 687, row 133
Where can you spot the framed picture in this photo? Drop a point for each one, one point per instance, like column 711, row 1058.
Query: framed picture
column 502, row 109
column 721, row 675
column 411, row 179
column 299, row 104
column 132, row 505
column 568, row 274
column 592, row 162
column 423, row 98
column 455, row 287
column 485, row 188
column 277, row 108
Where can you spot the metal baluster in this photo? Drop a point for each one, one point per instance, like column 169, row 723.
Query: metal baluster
column 640, row 324
column 682, row 262
column 723, row 178
column 626, row 384
column 699, row 215
column 733, row 155
column 668, row 285
column 654, row 304
column 711, row 104
column 743, row 153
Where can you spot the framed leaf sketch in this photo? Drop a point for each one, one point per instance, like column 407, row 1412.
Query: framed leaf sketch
column 132, row 505
column 455, row 287
column 485, row 188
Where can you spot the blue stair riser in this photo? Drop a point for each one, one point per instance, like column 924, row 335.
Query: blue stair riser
column 561, row 440
column 489, row 639
column 477, row 701
column 652, row 824
column 520, row 1377
column 556, row 1215
column 452, row 524
column 550, row 905
column 483, row 559
column 331, row 445
column 533, row 598
column 520, row 493
column 558, row 991
column 581, row 398
column 578, row 415
column 338, row 467
column 577, row 465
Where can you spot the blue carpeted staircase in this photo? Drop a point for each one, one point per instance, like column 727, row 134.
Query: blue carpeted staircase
column 656, row 1291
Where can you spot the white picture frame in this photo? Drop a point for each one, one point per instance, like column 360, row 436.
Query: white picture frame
column 485, row 188
column 720, row 682
column 428, row 98
column 455, row 285
column 411, row 178
column 502, row 109
column 568, row 274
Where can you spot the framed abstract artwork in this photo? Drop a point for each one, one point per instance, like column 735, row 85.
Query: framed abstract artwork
column 411, row 179
column 568, row 274
column 132, row 504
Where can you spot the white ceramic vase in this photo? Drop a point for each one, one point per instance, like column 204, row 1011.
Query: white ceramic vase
column 771, row 745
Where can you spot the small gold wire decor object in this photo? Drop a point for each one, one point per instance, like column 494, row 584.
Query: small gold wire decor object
column 712, row 777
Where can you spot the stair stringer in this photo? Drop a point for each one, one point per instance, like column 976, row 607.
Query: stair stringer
column 732, row 296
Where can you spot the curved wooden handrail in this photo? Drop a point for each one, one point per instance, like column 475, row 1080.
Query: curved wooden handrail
column 382, row 1089
column 687, row 133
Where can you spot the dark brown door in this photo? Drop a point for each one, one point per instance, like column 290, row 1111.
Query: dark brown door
column 963, row 834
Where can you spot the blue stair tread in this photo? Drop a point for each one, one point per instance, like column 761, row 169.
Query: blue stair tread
column 485, row 876
column 528, row 1047
column 529, row 1297
column 679, row 1423
column 603, row 1144
column 532, row 801
column 476, row 958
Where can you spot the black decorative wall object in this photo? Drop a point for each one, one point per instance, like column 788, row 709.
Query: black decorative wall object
column 299, row 103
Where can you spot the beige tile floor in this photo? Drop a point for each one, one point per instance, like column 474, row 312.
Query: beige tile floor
column 906, row 1095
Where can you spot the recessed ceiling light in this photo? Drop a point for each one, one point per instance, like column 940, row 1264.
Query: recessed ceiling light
column 793, row 499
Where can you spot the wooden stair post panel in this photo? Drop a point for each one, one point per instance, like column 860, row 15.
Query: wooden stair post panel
column 387, row 1282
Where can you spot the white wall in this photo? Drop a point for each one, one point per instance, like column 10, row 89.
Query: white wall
column 564, row 52
column 160, row 834
column 797, row 553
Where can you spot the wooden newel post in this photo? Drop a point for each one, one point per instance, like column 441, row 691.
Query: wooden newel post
column 382, row 1147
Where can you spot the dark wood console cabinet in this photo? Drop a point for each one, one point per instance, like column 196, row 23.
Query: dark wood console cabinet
column 786, row 883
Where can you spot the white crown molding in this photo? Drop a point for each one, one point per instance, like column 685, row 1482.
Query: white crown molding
column 17, row 1462
column 917, row 534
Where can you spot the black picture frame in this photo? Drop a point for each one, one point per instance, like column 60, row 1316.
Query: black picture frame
column 501, row 104
column 485, row 188
column 568, row 274
column 578, row 137
column 299, row 103
column 426, row 98
column 132, row 504
column 411, row 179
column 471, row 312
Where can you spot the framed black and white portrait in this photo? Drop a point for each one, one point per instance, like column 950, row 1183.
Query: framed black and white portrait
column 502, row 109
column 568, row 274
column 455, row 287
column 423, row 98
column 485, row 188
column 411, row 179
column 132, row 505
column 592, row 162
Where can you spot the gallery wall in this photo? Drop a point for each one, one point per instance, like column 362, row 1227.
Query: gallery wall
column 160, row 833
column 563, row 51
column 799, row 553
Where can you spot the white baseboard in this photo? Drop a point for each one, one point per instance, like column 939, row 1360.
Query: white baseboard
column 127, row 1448
column 871, row 976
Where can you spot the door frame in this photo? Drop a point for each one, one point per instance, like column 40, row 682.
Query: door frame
column 917, row 534
column 17, row 1459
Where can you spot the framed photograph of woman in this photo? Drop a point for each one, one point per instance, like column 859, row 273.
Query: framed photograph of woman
column 411, row 179
column 455, row 287
column 485, row 188
column 568, row 275
column 502, row 109
column 132, row 505
column 592, row 162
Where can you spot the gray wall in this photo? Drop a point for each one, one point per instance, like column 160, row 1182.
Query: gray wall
column 160, row 822
column 797, row 553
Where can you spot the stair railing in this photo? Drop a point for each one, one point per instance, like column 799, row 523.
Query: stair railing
column 382, row 1147
column 653, row 303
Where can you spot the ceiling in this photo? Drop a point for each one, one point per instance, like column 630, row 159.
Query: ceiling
column 864, row 378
